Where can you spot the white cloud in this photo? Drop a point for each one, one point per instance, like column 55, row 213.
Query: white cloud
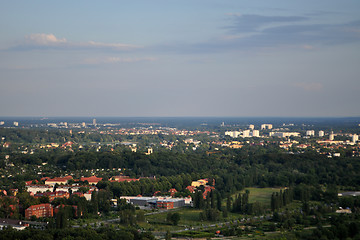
column 45, row 40
column 110, row 45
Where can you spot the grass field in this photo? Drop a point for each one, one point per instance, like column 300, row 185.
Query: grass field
column 188, row 217
column 262, row 195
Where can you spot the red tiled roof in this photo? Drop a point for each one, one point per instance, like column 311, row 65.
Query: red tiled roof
column 92, row 179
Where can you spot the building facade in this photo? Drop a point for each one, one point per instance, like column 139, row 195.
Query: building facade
column 39, row 211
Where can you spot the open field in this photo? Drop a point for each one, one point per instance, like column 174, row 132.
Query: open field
column 262, row 195
column 188, row 217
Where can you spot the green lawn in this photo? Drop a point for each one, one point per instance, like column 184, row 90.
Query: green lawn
column 188, row 217
column 262, row 195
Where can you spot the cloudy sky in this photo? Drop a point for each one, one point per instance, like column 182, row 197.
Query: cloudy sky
column 180, row 58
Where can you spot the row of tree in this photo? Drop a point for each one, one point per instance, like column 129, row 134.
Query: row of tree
column 281, row 199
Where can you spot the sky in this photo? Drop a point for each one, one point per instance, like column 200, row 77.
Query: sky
column 167, row 58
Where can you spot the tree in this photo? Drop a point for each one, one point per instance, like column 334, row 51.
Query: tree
column 173, row 218
column 62, row 218
column 228, row 204
column 168, row 235
column 218, row 201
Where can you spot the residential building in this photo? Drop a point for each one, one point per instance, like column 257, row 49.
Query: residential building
column 256, row 133
column 39, row 211
column 284, row 134
column 321, row 133
column 251, row 126
column 310, row 133
column 355, row 138
column 266, row 126
column 233, row 134
column 246, row 133
column 53, row 195
column 172, row 192
column 33, row 189
column 149, row 151
column 200, row 182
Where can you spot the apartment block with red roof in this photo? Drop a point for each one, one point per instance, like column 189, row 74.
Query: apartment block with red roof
column 39, row 211
column 53, row 195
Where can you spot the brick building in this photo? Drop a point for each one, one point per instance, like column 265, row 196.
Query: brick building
column 39, row 211
column 53, row 195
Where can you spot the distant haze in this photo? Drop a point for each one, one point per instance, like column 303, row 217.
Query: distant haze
column 180, row 58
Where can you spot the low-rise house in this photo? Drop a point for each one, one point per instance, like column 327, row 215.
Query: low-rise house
column 172, row 192
column 191, row 189
column 88, row 194
column 15, row 224
column 341, row 210
column 207, row 190
column 200, row 182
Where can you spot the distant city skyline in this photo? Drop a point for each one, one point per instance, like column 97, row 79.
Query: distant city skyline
column 187, row 58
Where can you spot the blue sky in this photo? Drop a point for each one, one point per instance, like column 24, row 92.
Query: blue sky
column 180, row 58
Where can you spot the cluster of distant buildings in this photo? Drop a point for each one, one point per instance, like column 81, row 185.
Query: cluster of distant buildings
column 251, row 132
column 15, row 124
